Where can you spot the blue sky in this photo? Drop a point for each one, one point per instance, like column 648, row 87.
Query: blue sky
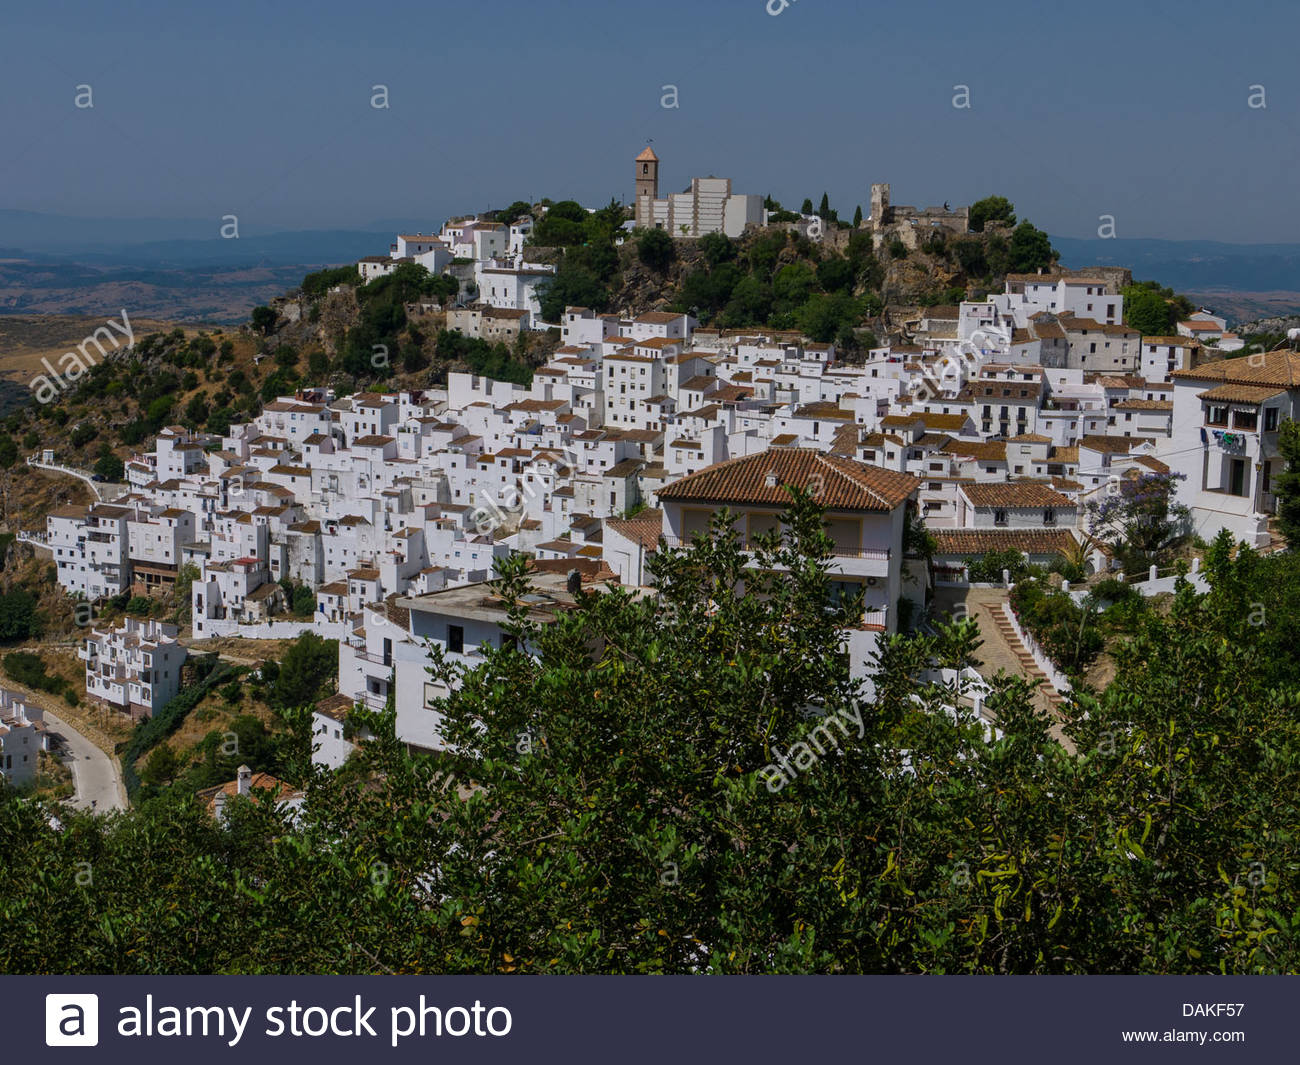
column 1134, row 109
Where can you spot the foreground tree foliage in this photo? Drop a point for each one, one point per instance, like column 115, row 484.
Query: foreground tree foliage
column 625, row 816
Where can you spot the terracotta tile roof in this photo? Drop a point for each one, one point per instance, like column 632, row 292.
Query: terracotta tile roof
column 944, row 421
column 1113, row 444
column 1273, row 368
column 1016, row 494
column 1151, row 463
column 1240, row 393
column 258, row 782
column 1145, row 404
column 758, row 479
column 978, row 541
column 645, row 529
column 980, row 450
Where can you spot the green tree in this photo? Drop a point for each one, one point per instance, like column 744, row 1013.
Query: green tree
column 308, row 668
column 1287, row 483
column 992, row 209
column 1141, row 519
column 655, row 248
column 263, row 320
column 8, row 452
column 18, row 617
column 110, row 467
column 1030, row 249
column 161, row 767
column 1148, row 311
column 750, row 303
column 517, row 210
column 717, row 248
column 563, row 225
column 573, row 286
column 835, row 273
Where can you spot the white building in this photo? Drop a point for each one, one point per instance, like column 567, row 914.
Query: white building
column 707, row 205
column 135, row 668
column 1225, row 420
column 20, row 739
column 866, row 509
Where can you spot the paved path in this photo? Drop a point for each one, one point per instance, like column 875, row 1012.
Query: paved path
column 98, row 780
column 104, row 491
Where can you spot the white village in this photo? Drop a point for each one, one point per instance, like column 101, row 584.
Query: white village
column 994, row 423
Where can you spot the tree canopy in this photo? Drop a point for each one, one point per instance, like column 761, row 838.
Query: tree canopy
column 695, row 781
column 991, row 209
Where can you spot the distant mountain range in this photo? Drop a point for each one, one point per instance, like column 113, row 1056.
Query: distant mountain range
column 174, row 269
column 182, row 269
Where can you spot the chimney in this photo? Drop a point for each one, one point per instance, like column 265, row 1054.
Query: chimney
column 244, row 780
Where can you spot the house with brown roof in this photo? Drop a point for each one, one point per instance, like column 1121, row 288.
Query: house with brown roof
column 252, row 787
column 1022, row 504
column 1224, row 441
column 1041, row 547
column 866, row 508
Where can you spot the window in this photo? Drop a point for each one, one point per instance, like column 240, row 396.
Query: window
column 1216, row 415
column 1270, row 419
column 1245, row 419
column 1049, row 516
column 456, row 639
column 999, row 517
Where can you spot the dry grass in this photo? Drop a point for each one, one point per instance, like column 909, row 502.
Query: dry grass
column 26, row 339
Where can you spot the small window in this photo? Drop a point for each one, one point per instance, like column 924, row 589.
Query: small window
column 456, row 639
column 999, row 517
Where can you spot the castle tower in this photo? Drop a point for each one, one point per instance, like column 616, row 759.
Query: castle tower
column 647, row 187
column 879, row 206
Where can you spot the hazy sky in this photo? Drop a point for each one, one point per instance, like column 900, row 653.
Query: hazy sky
column 1136, row 109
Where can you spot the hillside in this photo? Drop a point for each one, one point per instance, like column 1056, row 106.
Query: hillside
column 331, row 330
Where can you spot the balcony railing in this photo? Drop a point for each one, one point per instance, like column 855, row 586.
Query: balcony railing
column 875, row 619
column 882, row 554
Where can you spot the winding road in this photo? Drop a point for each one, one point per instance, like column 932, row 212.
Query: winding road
column 98, row 781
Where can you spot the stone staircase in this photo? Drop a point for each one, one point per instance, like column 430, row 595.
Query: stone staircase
column 1028, row 666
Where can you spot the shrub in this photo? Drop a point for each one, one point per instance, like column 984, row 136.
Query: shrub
column 988, row 568
column 29, row 669
column 1067, row 632
column 18, row 618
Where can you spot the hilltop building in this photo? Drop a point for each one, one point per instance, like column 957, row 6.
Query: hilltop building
column 912, row 225
column 705, row 206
